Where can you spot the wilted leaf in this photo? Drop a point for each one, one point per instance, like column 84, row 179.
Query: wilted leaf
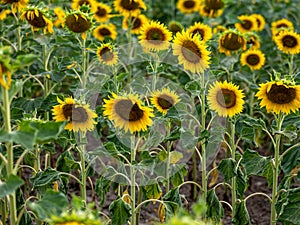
column 175, row 156
column 161, row 212
column 228, row 168
column 152, row 191
column 44, row 178
column 254, row 163
column 241, row 215
column 214, row 175
column 120, row 212
column 215, row 209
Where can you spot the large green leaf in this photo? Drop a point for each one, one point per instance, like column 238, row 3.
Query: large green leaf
column 172, row 202
column 241, row 215
column 215, row 210
column 12, row 183
column 152, row 191
column 254, row 163
column 291, row 160
column 44, row 178
column 120, row 212
column 101, row 188
column 228, row 168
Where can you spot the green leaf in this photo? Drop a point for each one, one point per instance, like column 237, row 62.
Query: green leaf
column 101, row 188
column 44, row 178
column 254, row 163
column 66, row 162
column 241, row 215
column 241, row 183
column 172, row 202
column 215, row 210
column 228, row 168
column 120, row 212
column 268, row 173
column 52, row 203
column 291, row 160
column 24, row 138
column 12, row 183
column 178, row 177
column 152, row 191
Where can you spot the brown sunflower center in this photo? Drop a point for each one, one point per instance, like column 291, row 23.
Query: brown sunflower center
column 232, row 41
column 214, row 4
column 137, row 23
column 253, row 59
column 289, row 41
column 104, row 32
column 165, row 101
column 174, row 27
column 106, row 54
column 75, row 114
column 84, row 2
column 77, row 23
column 129, row 5
column 201, row 32
column 191, row 51
column 101, row 12
column 258, row 22
column 247, row 24
column 10, row 1
column 281, row 94
column 226, row 98
column 155, row 34
column 282, row 25
column 37, row 21
column 189, row 4
column 128, row 111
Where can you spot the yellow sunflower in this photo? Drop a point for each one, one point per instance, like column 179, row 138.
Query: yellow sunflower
column 16, row 5
column 212, row 8
column 253, row 40
column 277, row 96
column 78, row 22
column 260, row 21
column 164, row 100
column 101, row 12
column 191, row 52
column 37, row 19
column 3, row 13
column 75, row 217
column 134, row 23
column 253, row 58
column 246, row 24
column 155, row 36
column 107, row 55
column 225, row 98
column 279, row 25
column 80, row 116
column 60, row 17
column 231, row 41
column 204, row 31
column 175, row 26
column 288, row 42
column 76, row 4
column 129, row 7
column 128, row 113
column 105, row 30
column 188, row 6
column 5, row 76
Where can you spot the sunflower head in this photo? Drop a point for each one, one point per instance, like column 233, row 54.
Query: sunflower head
column 105, row 30
column 78, row 22
column 129, row 7
column 175, row 26
column 38, row 19
column 253, row 40
column 60, row 17
column 83, row 5
column 204, row 31
column 135, row 23
column 188, row 6
column 206, row 11
column 128, row 113
column 279, row 25
column 231, row 41
column 225, row 98
column 288, row 42
column 101, row 12
column 214, row 4
column 79, row 115
column 3, row 13
column 253, row 58
column 155, row 36
column 260, row 21
column 16, row 5
column 246, row 24
column 164, row 99
column 279, row 96
column 107, row 55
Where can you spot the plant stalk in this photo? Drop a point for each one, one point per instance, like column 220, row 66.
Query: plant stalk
column 83, row 167
column 233, row 181
column 132, row 180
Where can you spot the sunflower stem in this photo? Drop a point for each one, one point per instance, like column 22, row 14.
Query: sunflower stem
column 233, row 181
column 83, row 167
column 132, row 180
column 84, row 64
column 291, row 62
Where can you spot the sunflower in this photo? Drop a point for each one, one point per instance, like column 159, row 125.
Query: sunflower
column 107, row 55
column 4, row 72
column 37, row 19
column 75, row 217
column 129, row 7
column 188, row 6
column 60, row 17
column 204, row 31
column 101, row 12
column 128, row 113
column 246, row 24
column 175, row 26
column 231, row 41
column 135, row 23
column 80, row 116
column 214, row 4
column 225, row 98
column 288, row 42
column 105, row 30
column 253, row 58
column 260, row 21
column 155, row 36
column 191, row 52
column 208, row 12
column 3, row 13
column 16, row 5
column 253, row 40
column 277, row 96
column 163, row 100
column 78, row 22
column 279, row 25
column 76, row 4
column 219, row 29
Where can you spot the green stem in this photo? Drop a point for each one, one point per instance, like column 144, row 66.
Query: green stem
column 37, row 159
column 138, row 210
column 291, row 62
column 83, row 168
column 3, row 210
column 84, row 64
column 233, row 148
column 10, row 155
column 168, row 167
column 132, row 180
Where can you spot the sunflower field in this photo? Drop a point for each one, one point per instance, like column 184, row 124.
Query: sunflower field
column 178, row 112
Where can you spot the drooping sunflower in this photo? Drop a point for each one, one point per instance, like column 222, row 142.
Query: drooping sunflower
column 37, row 19
column 204, row 31
column 260, row 21
column 279, row 25
column 253, row 58
column 105, row 30
column 208, row 12
column 128, row 113
column 288, row 42
column 80, row 116
column 5, row 75
column 78, row 22
column 135, row 23
column 76, row 4
column 231, row 41
column 191, row 52
column 3, row 13
column 253, row 40
column 155, row 36
column 101, row 12
column 188, row 6
column 129, row 7
column 278, row 96
column 214, row 4
column 75, row 217
column 246, row 24
column 107, row 55
column 60, row 17
column 225, row 98
column 175, row 26
column 16, row 5
column 164, row 99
